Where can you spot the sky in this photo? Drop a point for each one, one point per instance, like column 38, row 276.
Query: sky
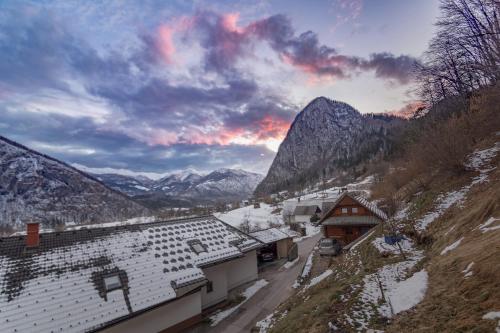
column 157, row 87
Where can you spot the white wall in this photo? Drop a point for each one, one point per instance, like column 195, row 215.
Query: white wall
column 242, row 270
column 227, row 276
column 302, row 218
column 161, row 318
column 218, row 276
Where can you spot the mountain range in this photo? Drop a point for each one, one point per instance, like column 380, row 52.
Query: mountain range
column 36, row 187
column 325, row 139
column 187, row 187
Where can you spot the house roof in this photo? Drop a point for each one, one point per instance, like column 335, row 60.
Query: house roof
column 362, row 201
column 59, row 286
column 351, row 220
column 306, row 210
column 270, row 235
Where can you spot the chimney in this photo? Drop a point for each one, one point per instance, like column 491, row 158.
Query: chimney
column 32, row 234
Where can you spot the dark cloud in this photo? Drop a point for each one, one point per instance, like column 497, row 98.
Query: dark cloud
column 225, row 42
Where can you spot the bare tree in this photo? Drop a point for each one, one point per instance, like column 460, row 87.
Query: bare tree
column 465, row 53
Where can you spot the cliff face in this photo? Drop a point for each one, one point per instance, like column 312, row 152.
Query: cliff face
column 326, row 136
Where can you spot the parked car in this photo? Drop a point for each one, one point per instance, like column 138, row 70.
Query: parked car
column 329, row 247
column 267, row 256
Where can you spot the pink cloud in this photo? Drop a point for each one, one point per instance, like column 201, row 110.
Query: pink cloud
column 165, row 43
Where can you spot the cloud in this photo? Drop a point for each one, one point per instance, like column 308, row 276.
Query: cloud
column 225, row 42
column 120, row 107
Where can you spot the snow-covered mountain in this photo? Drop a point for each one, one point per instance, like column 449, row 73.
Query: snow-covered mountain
column 326, row 137
column 221, row 184
column 36, row 187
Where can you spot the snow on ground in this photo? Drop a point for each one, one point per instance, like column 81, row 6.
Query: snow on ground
column 444, row 202
column 307, row 266
column 305, row 271
column 468, row 270
column 477, row 161
column 258, row 218
column 408, row 293
column 247, row 294
column 289, row 264
column 399, row 291
column 485, row 227
column 310, row 231
column 318, row 279
column 493, row 315
column 267, row 323
column 382, row 246
column 135, row 220
column 361, row 240
column 452, row 246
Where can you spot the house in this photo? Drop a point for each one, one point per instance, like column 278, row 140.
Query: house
column 350, row 217
column 276, row 241
column 304, row 213
column 150, row 277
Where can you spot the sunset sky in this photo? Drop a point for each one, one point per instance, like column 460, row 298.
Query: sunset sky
column 155, row 87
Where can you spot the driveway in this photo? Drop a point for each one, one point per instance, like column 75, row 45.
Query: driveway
column 268, row 298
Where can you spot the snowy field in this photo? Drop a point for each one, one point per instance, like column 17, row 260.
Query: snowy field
column 258, row 218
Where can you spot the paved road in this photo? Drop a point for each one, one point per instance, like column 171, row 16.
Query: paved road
column 268, row 298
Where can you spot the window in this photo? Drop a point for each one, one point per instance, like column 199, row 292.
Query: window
column 112, row 282
column 210, row 287
column 344, row 210
column 354, row 210
column 197, row 246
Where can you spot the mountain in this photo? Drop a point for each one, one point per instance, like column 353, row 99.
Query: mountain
column 126, row 184
column 187, row 188
column 36, row 187
column 326, row 137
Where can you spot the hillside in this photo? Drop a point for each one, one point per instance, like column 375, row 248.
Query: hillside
column 36, row 187
column 446, row 280
column 326, row 138
column 444, row 276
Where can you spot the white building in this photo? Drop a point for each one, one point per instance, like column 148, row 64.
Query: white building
column 144, row 278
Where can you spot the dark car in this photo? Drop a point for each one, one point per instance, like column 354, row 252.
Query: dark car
column 267, row 256
column 329, row 247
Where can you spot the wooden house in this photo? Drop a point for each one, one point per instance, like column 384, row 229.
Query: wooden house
column 350, row 217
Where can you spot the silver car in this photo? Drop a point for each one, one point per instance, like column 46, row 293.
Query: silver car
column 329, row 247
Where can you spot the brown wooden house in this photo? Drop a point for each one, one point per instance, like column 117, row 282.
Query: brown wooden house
column 350, row 217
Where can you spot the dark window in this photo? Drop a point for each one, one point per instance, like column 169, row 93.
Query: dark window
column 348, row 231
column 197, row 246
column 210, row 286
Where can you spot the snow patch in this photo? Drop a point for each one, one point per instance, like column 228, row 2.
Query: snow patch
column 319, row 278
column 468, row 270
column 247, row 294
column 444, row 202
column 485, row 227
column 452, row 246
column 383, row 247
column 492, row 316
column 289, row 264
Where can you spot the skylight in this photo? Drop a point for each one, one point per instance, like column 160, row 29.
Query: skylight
column 112, row 282
column 197, row 246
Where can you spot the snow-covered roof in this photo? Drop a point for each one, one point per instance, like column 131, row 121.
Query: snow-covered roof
column 306, row 210
column 59, row 285
column 371, row 206
column 270, row 235
column 362, row 201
